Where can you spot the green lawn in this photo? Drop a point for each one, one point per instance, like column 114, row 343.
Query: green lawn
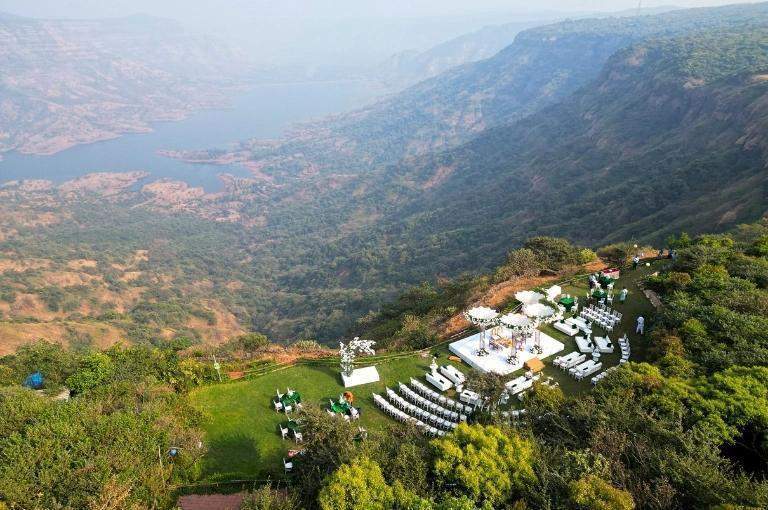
column 241, row 425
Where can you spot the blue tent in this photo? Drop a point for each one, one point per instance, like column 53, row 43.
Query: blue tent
column 34, row 381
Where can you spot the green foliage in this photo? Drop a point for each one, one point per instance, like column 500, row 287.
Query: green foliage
column 594, row 493
column 760, row 247
column 267, row 498
column 356, row 485
column 85, row 452
column 520, row 263
column 251, row 342
column 51, row 359
column 94, row 370
column 487, row 463
column 307, row 345
column 617, row 254
column 554, row 253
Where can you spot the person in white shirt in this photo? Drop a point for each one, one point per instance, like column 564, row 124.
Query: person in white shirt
column 640, row 325
column 623, row 294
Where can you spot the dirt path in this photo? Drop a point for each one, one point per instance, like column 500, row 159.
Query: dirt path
column 211, row 502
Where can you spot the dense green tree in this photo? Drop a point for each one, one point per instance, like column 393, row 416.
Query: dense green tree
column 485, row 463
column 356, row 485
column 93, row 370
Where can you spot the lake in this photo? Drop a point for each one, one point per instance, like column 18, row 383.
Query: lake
column 265, row 111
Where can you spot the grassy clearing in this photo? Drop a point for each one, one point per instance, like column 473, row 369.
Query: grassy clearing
column 241, row 426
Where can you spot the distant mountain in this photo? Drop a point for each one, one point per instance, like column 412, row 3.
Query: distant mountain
column 671, row 136
column 543, row 66
column 597, row 130
column 66, row 82
column 409, row 67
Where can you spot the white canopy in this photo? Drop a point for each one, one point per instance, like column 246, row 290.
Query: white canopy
column 515, row 321
column 553, row 292
column 481, row 315
column 538, row 311
column 528, row 297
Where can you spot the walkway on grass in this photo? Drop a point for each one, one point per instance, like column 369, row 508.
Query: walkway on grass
column 211, row 502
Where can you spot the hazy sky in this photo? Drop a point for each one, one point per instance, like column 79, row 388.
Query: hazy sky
column 318, row 8
column 331, row 32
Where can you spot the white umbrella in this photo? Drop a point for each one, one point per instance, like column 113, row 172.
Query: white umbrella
column 482, row 316
column 538, row 311
column 515, row 321
column 528, row 297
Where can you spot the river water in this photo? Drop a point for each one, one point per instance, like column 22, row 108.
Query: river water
column 265, row 111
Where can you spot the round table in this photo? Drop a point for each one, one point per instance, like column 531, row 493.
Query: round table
column 567, row 302
column 605, row 280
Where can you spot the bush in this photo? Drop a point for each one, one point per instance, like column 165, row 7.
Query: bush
column 416, row 333
column 616, row 254
column 251, row 342
column 554, row 253
column 594, row 493
column 306, row 345
column 266, row 498
column 522, row 262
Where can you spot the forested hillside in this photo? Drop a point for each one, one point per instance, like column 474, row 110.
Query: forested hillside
column 541, row 67
column 668, row 134
column 683, row 429
column 669, row 137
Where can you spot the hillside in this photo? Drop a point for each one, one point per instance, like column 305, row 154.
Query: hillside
column 541, row 67
column 410, row 67
column 67, row 82
column 669, row 135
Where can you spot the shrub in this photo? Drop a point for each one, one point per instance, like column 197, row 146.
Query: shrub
column 306, row 345
column 266, row 498
column 554, row 253
column 616, row 254
column 522, row 262
column 594, row 493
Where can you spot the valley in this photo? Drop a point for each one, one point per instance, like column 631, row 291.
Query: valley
column 526, row 268
column 322, row 220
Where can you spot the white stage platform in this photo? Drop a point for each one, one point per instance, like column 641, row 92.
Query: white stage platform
column 361, row 376
column 496, row 361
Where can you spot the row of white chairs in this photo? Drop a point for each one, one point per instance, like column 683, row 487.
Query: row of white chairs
column 604, row 310
column 444, row 401
column 600, row 315
column 607, row 322
column 625, row 349
column 599, row 377
column 429, row 405
column 419, row 413
column 399, row 415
